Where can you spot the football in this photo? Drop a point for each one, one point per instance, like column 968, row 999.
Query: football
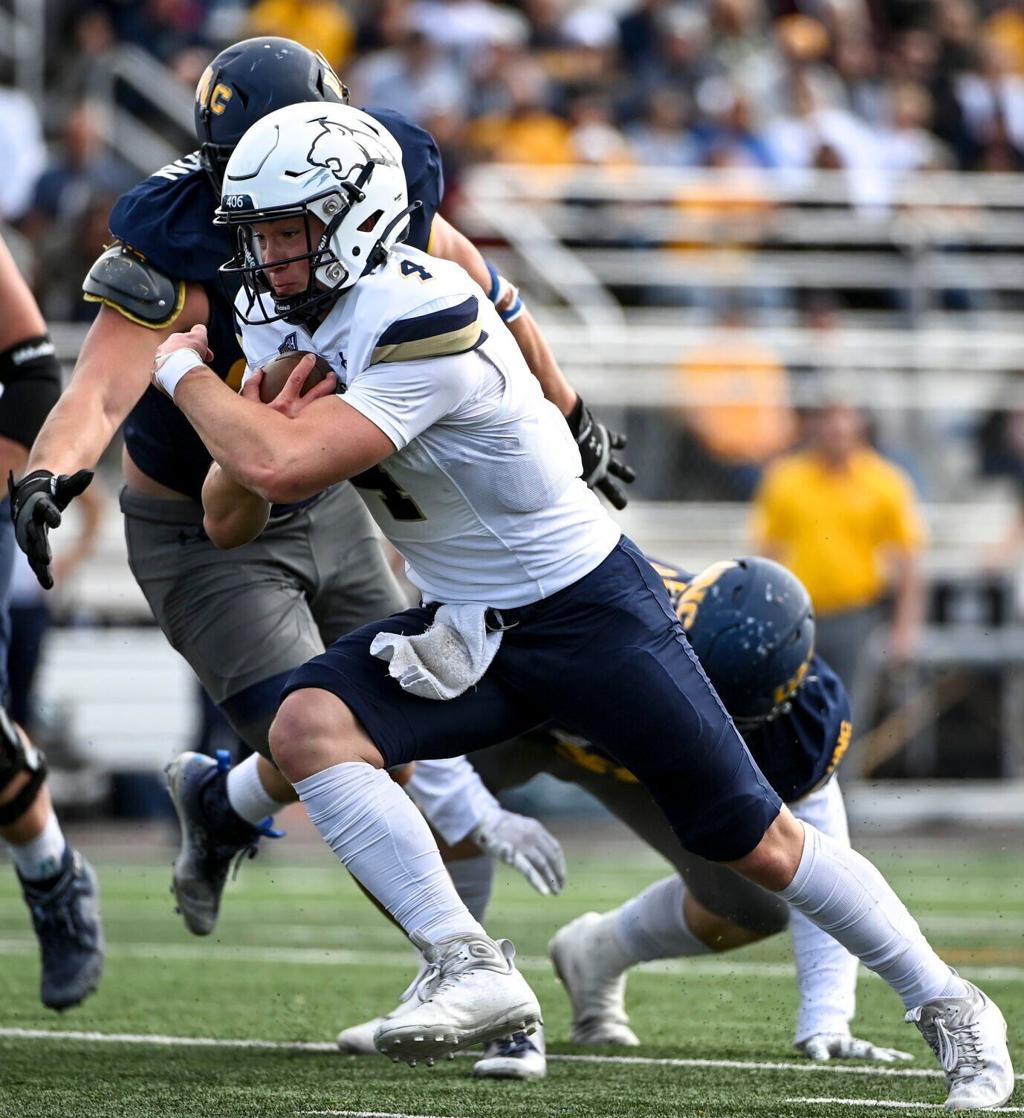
column 276, row 372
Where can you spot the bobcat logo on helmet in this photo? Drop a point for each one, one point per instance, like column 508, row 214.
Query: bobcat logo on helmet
column 370, row 144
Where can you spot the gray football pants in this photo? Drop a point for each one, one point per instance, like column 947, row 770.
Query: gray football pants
column 245, row 618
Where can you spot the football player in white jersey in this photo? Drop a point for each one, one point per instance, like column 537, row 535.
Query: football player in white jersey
column 535, row 607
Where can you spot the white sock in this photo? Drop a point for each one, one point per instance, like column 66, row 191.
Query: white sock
column 842, row 892
column 41, row 857
column 380, row 836
column 652, row 925
column 246, row 793
column 473, row 879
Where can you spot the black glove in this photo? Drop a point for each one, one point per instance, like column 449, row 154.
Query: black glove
column 36, row 504
column 596, row 444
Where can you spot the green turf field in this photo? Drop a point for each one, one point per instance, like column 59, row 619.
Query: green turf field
column 299, row 954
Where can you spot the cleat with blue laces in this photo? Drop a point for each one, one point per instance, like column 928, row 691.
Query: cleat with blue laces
column 213, row 837
column 66, row 917
column 517, row 1057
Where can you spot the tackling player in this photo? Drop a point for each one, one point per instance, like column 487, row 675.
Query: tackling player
column 242, row 621
column 536, row 608
column 58, row 884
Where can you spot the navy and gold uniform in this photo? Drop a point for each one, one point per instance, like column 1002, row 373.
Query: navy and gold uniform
column 168, row 220
column 802, row 746
column 797, row 751
column 244, row 618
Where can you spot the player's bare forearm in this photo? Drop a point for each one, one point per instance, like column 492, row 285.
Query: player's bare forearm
column 543, row 365
column 111, row 374
column 232, row 514
column 448, row 242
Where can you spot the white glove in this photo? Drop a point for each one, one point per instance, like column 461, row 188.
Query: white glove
column 522, row 842
column 843, row 1046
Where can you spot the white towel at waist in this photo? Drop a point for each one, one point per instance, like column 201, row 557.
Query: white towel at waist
column 447, row 659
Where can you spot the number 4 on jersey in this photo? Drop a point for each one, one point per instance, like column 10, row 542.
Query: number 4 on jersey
column 398, row 503
column 410, row 268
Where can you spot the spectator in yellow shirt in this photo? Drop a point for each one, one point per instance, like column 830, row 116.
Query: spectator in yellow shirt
column 845, row 521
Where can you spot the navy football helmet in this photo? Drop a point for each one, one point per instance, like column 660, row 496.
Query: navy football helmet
column 751, row 623
column 250, row 79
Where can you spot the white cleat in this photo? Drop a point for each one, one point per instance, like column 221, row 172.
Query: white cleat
column 588, row 960
column 521, row 1057
column 471, row 994
column 357, row 1040
column 968, row 1035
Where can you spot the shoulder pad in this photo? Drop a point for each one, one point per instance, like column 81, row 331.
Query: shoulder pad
column 130, row 284
column 441, row 333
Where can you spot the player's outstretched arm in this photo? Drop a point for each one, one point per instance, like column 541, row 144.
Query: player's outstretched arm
column 110, row 376
column 598, row 445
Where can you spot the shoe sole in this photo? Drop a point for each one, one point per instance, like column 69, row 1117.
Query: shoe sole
column 415, row 1042
column 199, row 924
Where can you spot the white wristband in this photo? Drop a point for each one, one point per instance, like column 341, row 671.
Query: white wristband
column 171, row 369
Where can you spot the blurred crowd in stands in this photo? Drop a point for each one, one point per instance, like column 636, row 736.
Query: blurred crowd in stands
column 869, row 87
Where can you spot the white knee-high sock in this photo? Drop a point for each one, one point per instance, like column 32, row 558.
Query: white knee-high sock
column 40, row 858
column 842, row 892
column 473, row 879
column 380, row 836
column 246, row 793
column 652, row 925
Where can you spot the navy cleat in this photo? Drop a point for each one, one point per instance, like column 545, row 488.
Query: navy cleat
column 213, row 837
column 66, row 917
column 516, row 1057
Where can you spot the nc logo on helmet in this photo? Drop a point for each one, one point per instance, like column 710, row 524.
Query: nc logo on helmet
column 697, row 590
column 216, row 98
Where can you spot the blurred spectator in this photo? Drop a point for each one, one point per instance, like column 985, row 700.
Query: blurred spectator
column 594, row 138
column 992, row 103
column 737, row 415
column 517, row 126
column 413, row 77
column 904, row 140
column 83, row 167
column 844, row 519
column 322, row 25
column 65, row 257
column 22, row 151
column 661, row 138
column 1005, row 26
column 162, row 27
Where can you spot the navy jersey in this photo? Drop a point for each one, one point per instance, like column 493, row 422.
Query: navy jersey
column 797, row 751
column 168, row 219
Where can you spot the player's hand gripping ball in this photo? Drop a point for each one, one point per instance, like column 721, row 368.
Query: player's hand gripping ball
column 277, row 372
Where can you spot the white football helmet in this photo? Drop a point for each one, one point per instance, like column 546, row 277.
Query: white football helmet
column 330, row 161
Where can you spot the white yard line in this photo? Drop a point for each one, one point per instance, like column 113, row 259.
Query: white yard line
column 894, row 1104
column 345, row 957
column 164, row 1041
column 370, row 1114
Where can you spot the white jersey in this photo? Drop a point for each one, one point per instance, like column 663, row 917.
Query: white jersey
column 483, row 495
